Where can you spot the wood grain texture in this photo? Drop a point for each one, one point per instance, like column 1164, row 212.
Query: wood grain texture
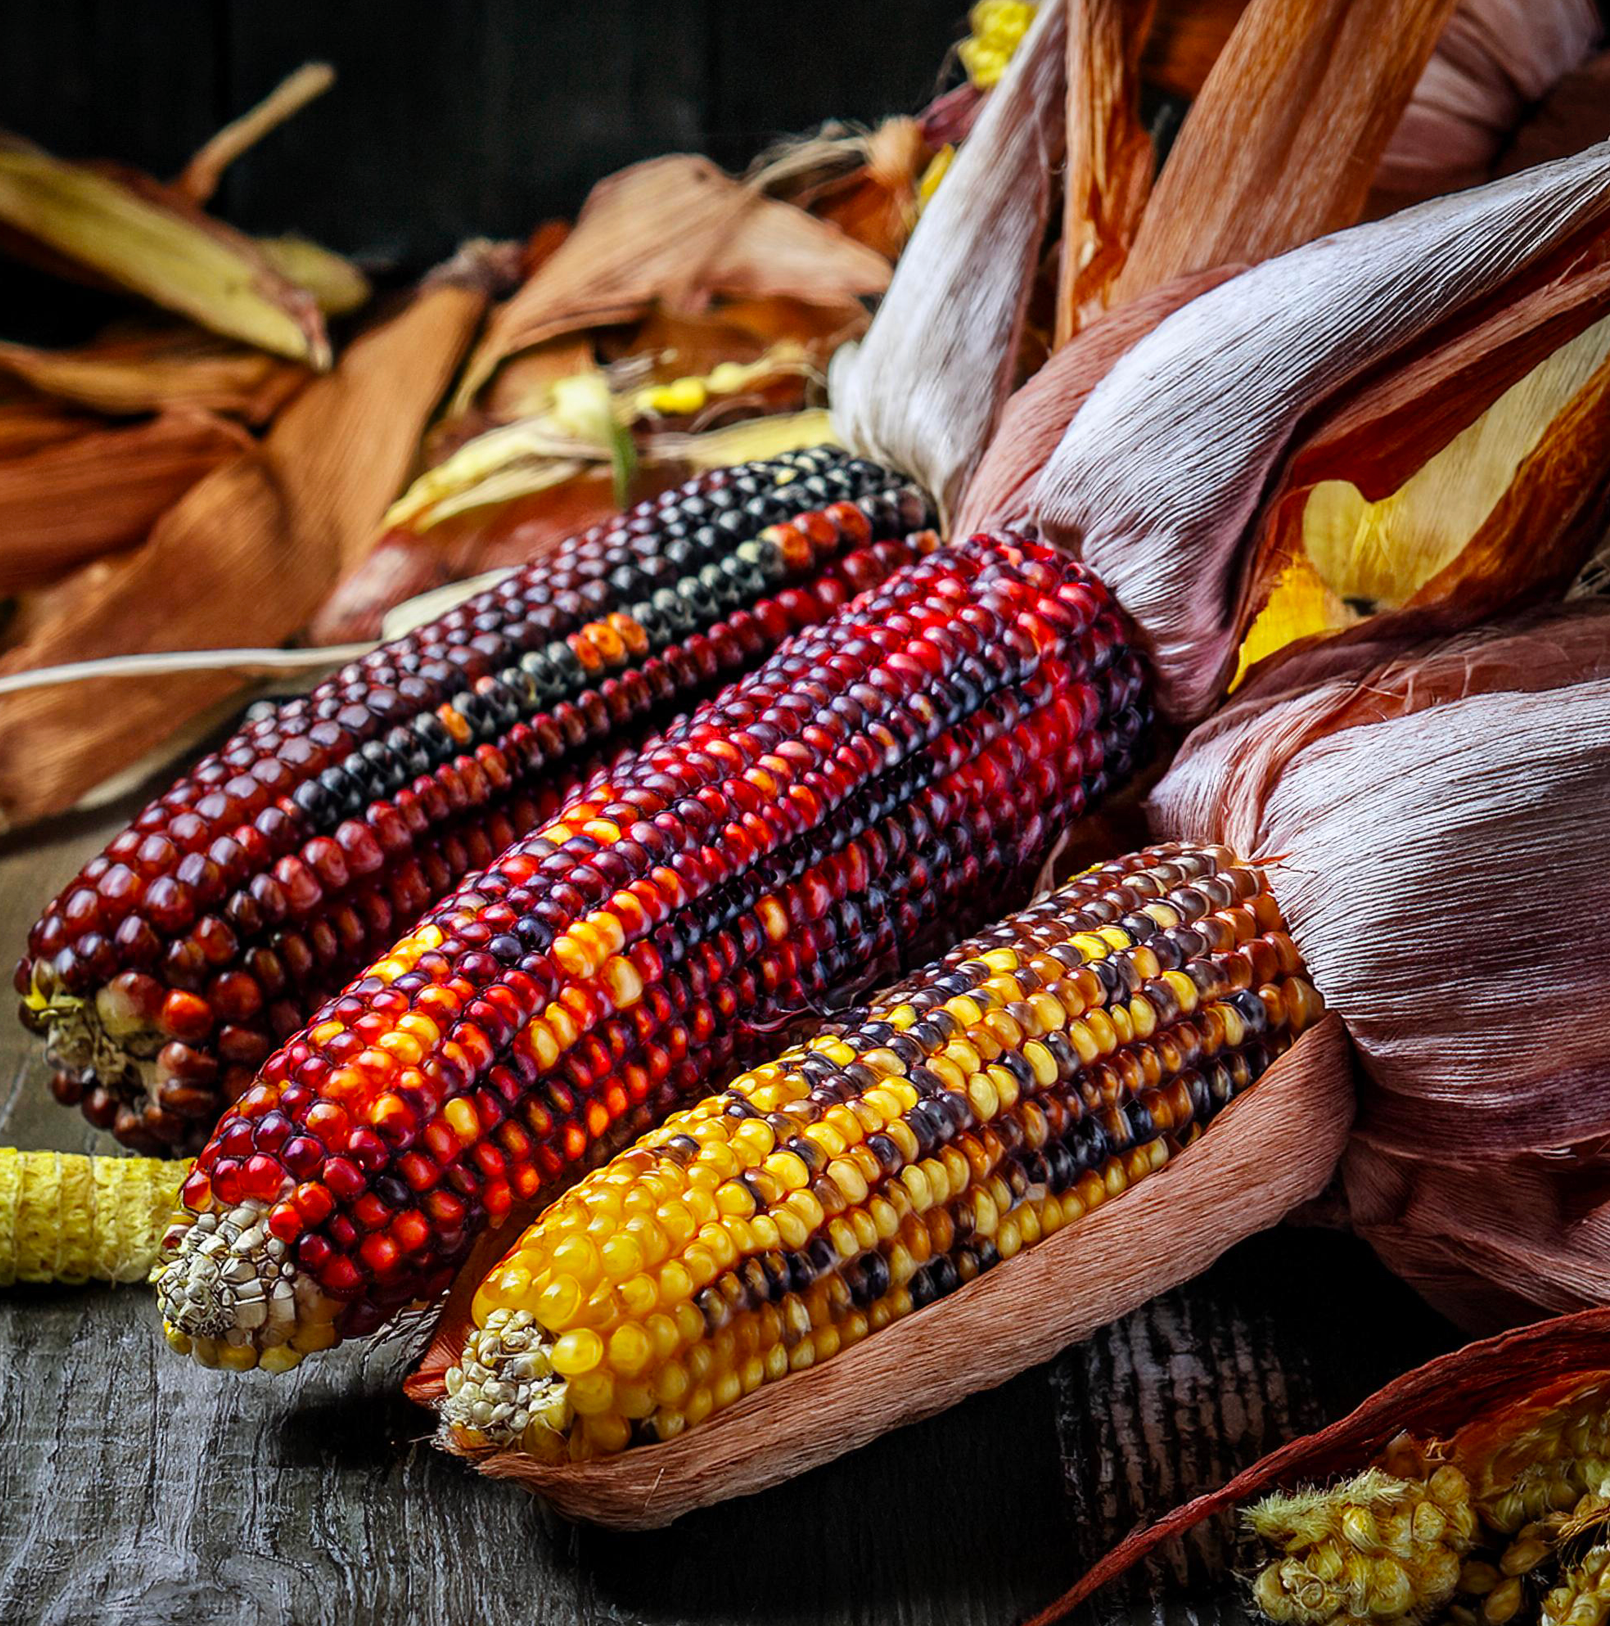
column 137, row 1488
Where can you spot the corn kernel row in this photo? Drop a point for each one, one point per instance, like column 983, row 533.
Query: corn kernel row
column 205, row 933
column 1046, row 1066
column 874, row 785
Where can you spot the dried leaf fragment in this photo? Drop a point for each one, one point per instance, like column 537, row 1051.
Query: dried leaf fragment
column 125, row 229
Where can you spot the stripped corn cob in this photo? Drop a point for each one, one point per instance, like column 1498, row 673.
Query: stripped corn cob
column 68, row 1218
column 880, row 780
column 165, row 974
column 1060, row 1056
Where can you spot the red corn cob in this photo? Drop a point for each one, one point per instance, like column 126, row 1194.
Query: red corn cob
column 867, row 793
column 165, row 974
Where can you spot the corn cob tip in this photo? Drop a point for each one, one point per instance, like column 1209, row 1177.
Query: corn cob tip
column 506, row 1391
column 231, row 1296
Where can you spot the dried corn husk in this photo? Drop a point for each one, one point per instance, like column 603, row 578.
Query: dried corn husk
column 337, row 285
column 158, row 370
column 206, row 169
column 101, row 490
column 124, row 228
column 1496, row 60
column 1421, row 807
column 1498, row 1383
column 1468, row 293
column 673, row 232
column 243, row 558
column 924, row 389
column 1280, row 145
column 1109, row 168
column 27, row 425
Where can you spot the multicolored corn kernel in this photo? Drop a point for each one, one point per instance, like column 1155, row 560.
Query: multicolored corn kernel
column 885, row 778
column 1373, row 1548
column 1037, row 1073
column 205, row 934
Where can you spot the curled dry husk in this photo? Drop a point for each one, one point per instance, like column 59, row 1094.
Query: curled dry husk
column 1495, row 62
column 923, row 391
column 1361, row 354
column 102, row 490
column 1470, row 1388
column 243, row 557
column 1427, row 812
column 1166, row 1230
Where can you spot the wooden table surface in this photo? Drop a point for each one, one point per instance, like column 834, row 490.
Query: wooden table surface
column 136, row 1487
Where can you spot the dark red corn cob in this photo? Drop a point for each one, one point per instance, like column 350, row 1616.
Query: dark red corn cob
column 877, row 786
column 166, row 973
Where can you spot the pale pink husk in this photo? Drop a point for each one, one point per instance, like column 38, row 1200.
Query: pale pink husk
column 1433, row 827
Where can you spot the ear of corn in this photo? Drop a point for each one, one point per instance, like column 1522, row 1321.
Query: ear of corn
column 1583, row 1596
column 1035, row 1074
column 68, row 1218
column 851, row 804
column 165, row 974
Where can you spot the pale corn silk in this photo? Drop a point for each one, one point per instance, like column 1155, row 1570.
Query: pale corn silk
column 1158, row 479
column 1496, row 58
column 1436, row 829
column 923, row 390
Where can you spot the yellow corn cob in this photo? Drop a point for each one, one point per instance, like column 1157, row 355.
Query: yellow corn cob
column 1376, row 1548
column 998, row 27
column 69, row 1218
column 1034, row 1073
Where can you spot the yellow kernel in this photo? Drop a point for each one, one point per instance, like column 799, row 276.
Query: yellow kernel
column 622, row 1256
column 461, row 1119
column 788, row 1170
column 849, row 1179
column 792, row 1231
column 698, row 1405
column 763, row 1233
column 727, row 1388
column 1084, row 1041
column 1043, row 1063
column 590, row 1393
column 675, row 1283
column 576, row 1352
column 1000, row 959
column 1102, row 1031
column 630, row 1349
column 1184, row 990
column 808, row 1209
column 1090, row 946
column 558, row 1303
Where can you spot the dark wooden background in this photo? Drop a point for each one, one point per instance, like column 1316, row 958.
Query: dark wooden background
column 478, row 117
column 135, row 1487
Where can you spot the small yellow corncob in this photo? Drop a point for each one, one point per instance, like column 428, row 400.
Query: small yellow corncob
column 998, row 27
column 69, row 1218
column 1034, row 1073
column 1376, row 1548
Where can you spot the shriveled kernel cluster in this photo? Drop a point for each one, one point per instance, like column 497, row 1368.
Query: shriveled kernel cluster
column 1582, row 1597
column 1041, row 1070
column 873, row 787
column 206, row 932
column 1526, row 1547
column 1374, row 1548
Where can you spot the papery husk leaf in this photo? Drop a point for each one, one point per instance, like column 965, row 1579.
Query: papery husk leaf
column 523, row 385
column 748, row 440
column 1496, row 60
column 1576, row 114
column 1280, row 145
column 100, row 491
column 1300, row 605
column 923, row 390
column 1522, row 1367
column 1273, row 1148
column 336, row 284
column 1454, row 520
column 1186, row 39
column 242, row 559
column 1037, row 415
column 126, row 229
column 1109, row 154
column 29, row 424
column 161, row 370
column 676, row 232
column 1178, row 522
column 1417, row 798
